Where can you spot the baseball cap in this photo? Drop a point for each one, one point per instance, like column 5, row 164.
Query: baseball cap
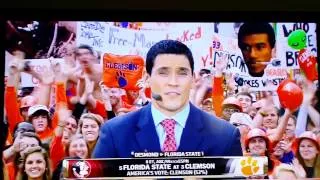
column 241, row 118
column 36, row 108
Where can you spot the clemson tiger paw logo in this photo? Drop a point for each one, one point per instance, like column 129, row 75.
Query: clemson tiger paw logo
column 249, row 166
column 121, row 79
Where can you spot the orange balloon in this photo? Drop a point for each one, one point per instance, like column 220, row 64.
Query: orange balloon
column 290, row 94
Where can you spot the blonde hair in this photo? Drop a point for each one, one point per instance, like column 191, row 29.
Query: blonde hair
column 97, row 118
column 47, row 174
column 285, row 167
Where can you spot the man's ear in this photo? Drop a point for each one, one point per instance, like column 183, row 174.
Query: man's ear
column 147, row 80
column 193, row 79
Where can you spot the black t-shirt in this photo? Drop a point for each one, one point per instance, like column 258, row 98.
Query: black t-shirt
column 309, row 171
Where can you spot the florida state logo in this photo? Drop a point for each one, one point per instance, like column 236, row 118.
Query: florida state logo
column 81, row 169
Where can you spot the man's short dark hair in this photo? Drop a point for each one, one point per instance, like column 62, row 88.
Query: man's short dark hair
column 84, row 46
column 41, row 113
column 167, row 47
column 204, row 71
column 256, row 28
column 245, row 94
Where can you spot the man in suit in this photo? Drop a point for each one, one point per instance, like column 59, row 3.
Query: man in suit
column 170, row 122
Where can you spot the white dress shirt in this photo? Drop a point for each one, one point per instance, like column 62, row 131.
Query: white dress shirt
column 180, row 118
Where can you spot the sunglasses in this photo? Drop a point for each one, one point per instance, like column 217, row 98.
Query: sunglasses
column 231, row 110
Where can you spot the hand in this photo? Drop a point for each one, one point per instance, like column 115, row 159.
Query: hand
column 230, row 82
column 61, row 75
column 141, row 83
column 17, row 143
column 104, row 91
column 47, row 78
column 285, row 145
column 142, row 89
column 308, row 91
column 105, row 96
column 220, row 66
column 207, row 81
column 263, row 106
column 197, row 82
column 74, row 99
column 19, row 54
column 89, row 85
column 299, row 170
column 63, row 114
column 55, row 66
column 15, row 66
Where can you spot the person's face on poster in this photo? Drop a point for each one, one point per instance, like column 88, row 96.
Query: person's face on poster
column 257, row 53
column 172, row 79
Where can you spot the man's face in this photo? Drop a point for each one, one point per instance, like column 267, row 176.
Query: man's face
column 24, row 112
column 270, row 121
column 245, row 102
column 115, row 94
column 172, row 79
column 252, row 113
column 278, row 151
column 207, row 106
column 257, row 146
column 40, row 123
column 290, row 129
column 257, row 52
column 228, row 110
column 85, row 57
column 71, row 125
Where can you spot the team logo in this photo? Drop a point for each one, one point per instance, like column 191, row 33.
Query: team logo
column 81, row 169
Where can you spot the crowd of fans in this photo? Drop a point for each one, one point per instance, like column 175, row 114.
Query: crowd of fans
column 61, row 118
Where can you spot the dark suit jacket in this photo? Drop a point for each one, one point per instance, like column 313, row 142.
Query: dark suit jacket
column 135, row 132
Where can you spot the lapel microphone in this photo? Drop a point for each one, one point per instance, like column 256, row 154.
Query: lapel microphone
column 157, row 97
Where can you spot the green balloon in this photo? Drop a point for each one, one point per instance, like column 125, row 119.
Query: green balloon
column 297, row 39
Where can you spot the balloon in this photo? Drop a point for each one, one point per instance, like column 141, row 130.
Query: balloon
column 297, row 39
column 308, row 64
column 290, row 94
